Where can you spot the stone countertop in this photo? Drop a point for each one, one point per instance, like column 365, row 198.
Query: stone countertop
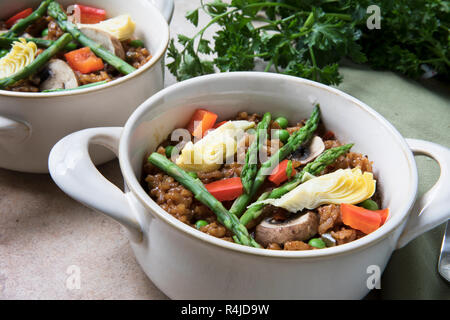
column 46, row 237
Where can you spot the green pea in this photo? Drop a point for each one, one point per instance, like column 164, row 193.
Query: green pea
column 369, row 204
column 137, row 43
column 282, row 135
column 44, row 32
column 169, row 151
column 282, row 122
column 317, row 243
column 200, row 223
column 192, row 174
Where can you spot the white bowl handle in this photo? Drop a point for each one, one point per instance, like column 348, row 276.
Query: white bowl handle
column 166, row 7
column 432, row 208
column 13, row 131
column 71, row 167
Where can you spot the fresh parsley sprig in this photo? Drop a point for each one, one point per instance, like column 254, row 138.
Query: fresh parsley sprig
column 308, row 38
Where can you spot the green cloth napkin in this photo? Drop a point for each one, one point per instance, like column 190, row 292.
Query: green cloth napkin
column 421, row 111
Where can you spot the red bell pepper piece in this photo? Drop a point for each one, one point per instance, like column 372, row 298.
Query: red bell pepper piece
column 23, row 14
column 383, row 215
column 362, row 219
column 226, row 189
column 219, row 124
column 201, row 121
column 84, row 60
column 91, row 15
column 279, row 173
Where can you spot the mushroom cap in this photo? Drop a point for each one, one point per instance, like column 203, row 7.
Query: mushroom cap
column 309, row 152
column 301, row 227
column 60, row 76
column 106, row 40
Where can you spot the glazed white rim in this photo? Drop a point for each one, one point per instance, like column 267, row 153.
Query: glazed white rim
column 135, row 187
column 155, row 58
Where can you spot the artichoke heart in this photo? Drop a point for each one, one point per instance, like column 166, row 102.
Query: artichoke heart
column 122, row 27
column 209, row 153
column 342, row 186
column 21, row 55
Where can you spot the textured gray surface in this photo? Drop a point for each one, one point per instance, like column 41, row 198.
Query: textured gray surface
column 43, row 232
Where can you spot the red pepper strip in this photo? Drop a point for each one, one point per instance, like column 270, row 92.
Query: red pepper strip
column 279, row 174
column 91, row 15
column 226, row 189
column 23, row 14
column 361, row 219
column 201, row 121
column 219, row 124
column 84, row 60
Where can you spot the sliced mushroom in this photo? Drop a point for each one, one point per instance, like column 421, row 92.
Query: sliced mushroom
column 106, row 40
column 300, row 228
column 58, row 75
column 328, row 239
column 308, row 153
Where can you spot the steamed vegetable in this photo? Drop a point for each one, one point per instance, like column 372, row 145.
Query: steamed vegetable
column 282, row 122
column 83, row 60
column 38, row 62
column 21, row 15
column 21, row 55
column 42, row 43
column 280, row 173
column 230, row 221
column 225, row 189
column 201, row 223
column 314, row 168
column 55, row 11
column 362, row 219
column 369, row 204
column 201, row 121
column 342, row 186
column 209, row 153
column 295, row 141
column 19, row 27
column 122, row 27
column 90, row 14
column 3, row 52
column 250, row 167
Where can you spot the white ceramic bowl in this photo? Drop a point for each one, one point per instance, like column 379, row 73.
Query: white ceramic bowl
column 188, row 264
column 31, row 123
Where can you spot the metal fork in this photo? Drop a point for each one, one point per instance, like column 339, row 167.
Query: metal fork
column 444, row 258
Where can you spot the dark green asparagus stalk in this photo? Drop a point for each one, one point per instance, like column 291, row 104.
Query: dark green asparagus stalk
column 38, row 62
column 251, row 164
column 295, row 141
column 327, row 158
column 55, row 11
column 230, row 221
column 42, row 43
column 19, row 27
column 89, row 85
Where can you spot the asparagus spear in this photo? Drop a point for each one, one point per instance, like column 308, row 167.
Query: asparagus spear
column 38, row 62
column 42, row 43
column 294, row 142
column 55, row 11
column 251, row 165
column 314, row 168
column 230, row 221
column 20, row 26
